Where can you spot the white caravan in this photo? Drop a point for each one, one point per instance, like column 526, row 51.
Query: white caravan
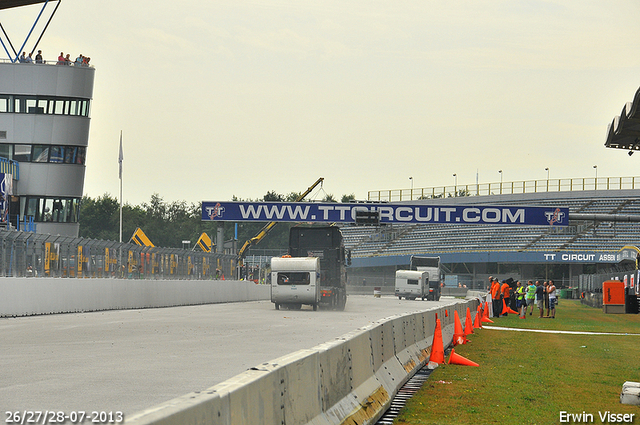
column 295, row 281
column 412, row 284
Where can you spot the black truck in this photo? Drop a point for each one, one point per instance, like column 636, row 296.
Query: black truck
column 431, row 265
column 325, row 243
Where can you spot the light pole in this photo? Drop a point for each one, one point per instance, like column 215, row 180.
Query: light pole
column 455, row 184
column 547, row 170
column 596, row 181
column 500, row 171
column 411, row 179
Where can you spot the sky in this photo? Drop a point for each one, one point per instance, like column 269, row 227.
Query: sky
column 223, row 98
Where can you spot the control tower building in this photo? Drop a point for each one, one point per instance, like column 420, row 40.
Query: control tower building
column 44, row 133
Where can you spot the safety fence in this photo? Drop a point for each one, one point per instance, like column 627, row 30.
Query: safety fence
column 592, row 283
column 27, row 254
column 506, row 188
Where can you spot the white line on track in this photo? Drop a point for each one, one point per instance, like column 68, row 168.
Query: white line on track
column 500, row 328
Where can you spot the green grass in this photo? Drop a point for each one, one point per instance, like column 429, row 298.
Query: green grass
column 528, row 378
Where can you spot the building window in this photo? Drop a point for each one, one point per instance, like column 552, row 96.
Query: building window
column 57, row 154
column 6, row 151
column 70, row 153
column 22, row 153
column 40, row 153
column 5, row 102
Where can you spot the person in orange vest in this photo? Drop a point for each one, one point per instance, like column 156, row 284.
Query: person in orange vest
column 506, row 293
column 496, row 295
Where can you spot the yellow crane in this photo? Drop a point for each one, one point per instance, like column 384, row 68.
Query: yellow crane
column 267, row 228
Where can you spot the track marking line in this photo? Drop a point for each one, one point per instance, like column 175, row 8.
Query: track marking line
column 500, row 328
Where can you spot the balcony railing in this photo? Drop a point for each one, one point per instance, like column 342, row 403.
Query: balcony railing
column 506, row 188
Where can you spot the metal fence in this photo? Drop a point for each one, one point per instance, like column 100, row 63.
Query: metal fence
column 506, row 188
column 34, row 255
column 593, row 282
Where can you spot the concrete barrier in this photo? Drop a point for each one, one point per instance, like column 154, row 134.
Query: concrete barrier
column 350, row 380
column 31, row 296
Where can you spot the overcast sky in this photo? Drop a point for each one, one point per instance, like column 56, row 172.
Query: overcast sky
column 217, row 98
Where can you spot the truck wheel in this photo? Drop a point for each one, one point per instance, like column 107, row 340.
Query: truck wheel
column 315, row 307
column 296, row 306
column 277, row 306
column 342, row 302
column 399, row 297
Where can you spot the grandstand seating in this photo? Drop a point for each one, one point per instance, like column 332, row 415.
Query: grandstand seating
column 424, row 238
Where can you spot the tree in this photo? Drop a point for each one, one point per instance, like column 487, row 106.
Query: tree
column 272, row 196
column 99, row 218
column 348, row 198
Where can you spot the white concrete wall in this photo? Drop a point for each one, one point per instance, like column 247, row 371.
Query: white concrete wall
column 351, row 380
column 31, row 296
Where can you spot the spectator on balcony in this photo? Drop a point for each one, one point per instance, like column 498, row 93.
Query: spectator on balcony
column 61, row 59
column 39, row 57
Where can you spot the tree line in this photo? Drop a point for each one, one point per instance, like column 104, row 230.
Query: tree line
column 167, row 224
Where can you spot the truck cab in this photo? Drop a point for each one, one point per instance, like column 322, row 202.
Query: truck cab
column 295, row 281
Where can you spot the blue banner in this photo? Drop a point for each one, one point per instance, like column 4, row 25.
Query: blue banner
column 389, row 213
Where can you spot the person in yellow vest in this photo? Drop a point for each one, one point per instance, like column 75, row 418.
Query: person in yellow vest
column 520, row 300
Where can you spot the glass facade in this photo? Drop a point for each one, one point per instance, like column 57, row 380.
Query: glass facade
column 50, row 209
column 56, row 154
column 50, row 105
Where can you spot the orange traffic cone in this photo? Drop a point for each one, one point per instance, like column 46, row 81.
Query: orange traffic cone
column 458, row 334
column 468, row 324
column 506, row 309
column 458, row 359
column 485, row 314
column 477, row 324
column 437, row 348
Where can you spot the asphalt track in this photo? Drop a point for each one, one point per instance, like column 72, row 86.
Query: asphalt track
column 130, row 360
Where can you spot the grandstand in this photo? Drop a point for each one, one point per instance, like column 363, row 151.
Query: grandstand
column 522, row 252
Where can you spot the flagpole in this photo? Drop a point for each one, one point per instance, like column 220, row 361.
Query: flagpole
column 120, row 159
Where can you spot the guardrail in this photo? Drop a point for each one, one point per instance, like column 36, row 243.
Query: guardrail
column 28, row 297
column 44, row 62
column 506, row 188
column 351, row 380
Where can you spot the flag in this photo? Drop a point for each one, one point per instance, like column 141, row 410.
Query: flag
column 120, row 157
column 141, row 239
column 204, row 242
